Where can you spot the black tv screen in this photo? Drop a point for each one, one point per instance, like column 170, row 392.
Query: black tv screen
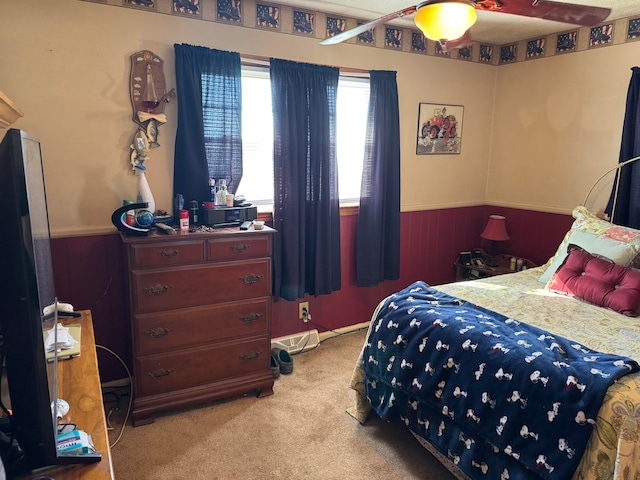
column 26, row 287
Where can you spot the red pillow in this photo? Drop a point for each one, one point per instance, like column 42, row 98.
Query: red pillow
column 598, row 280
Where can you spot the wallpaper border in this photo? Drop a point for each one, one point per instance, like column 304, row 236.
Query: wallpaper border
column 288, row 20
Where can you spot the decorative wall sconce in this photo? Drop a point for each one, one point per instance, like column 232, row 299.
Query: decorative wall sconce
column 148, row 99
column 148, row 96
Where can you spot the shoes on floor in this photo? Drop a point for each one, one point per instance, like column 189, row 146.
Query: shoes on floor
column 275, row 366
column 285, row 362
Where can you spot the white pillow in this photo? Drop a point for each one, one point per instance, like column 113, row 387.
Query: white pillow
column 620, row 252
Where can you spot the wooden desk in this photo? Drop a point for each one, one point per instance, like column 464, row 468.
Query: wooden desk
column 79, row 385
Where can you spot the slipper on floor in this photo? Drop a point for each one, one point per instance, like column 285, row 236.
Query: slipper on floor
column 275, row 366
column 284, row 360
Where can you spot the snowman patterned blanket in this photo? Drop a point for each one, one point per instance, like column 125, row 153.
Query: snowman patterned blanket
column 500, row 398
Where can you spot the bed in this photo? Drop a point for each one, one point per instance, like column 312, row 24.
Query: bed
column 610, row 435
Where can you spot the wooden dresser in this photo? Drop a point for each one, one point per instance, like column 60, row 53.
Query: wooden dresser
column 200, row 317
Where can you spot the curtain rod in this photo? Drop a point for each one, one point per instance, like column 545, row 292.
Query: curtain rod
column 258, row 61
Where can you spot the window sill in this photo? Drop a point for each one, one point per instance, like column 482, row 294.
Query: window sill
column 345, row 211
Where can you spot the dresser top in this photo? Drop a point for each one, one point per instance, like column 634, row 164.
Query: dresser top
column 156, row 235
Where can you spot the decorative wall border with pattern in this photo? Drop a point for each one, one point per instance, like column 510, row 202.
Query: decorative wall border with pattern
column 285, row 19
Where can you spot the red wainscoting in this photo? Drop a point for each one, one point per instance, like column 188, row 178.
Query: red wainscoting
column 430, row 242
column 90, row 271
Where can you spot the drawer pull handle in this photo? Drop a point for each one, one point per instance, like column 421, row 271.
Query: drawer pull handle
column 251, row 278
column 158, row 332
column 157, row 289
column 159, row 374
column 250, row 317
column 240, row 247
column 169, row 253
column 252, row 355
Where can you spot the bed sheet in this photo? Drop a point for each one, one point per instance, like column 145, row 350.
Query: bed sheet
column 613, row 451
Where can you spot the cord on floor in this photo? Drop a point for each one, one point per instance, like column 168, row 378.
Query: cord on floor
column 126, row 418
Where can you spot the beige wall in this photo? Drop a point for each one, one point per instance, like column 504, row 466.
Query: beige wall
column 557, row 127
column 66, row 65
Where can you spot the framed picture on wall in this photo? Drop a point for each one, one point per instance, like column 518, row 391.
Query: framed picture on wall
column 335, row 25
column 486, row 54
column 142, row 4
column 268, row 16
column 439, row 129
column 633, row 29
column 304, row 22
column 567, row 42
column 229, row 10
column 187, row 7
column 464, row 53
column 393, row 38
column 602, row 35
column 418, row 42
column 366, row 38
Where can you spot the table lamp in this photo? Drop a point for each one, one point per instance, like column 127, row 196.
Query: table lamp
column 496, row 231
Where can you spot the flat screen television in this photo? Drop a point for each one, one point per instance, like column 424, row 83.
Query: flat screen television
column 26, row 287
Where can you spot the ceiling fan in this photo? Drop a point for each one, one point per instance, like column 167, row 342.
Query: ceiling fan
column 448, row 21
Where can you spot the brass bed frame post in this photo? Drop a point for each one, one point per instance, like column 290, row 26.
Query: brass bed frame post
column 616, row 182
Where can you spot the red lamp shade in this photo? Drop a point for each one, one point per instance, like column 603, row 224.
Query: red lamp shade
column 495, row 229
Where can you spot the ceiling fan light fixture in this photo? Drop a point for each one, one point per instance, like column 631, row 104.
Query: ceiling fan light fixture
column 445, row 20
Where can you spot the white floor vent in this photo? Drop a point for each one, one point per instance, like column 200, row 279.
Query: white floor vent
column 297, row 341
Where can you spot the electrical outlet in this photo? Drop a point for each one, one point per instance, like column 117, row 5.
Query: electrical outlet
column 302, row 308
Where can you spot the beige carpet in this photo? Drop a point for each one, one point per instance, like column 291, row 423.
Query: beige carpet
column 300, row 432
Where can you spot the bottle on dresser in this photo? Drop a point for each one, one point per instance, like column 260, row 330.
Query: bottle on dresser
column 221, row 194
column 178, row 204
column 212, row 190
column 193, row 212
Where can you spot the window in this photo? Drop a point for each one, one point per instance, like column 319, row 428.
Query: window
column 351, row 129
column 257, row 136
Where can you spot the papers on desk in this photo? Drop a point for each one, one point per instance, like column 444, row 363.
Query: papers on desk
column 68, row 341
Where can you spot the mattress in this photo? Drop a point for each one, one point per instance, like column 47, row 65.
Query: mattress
column 611, row 452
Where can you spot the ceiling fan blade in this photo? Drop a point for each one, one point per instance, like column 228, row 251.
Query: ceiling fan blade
column 463, row 41
column 341, row 37
column 547, row 10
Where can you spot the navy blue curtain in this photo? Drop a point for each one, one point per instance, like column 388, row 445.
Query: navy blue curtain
column 208, row 139
column 378, row 229
column 627, row 203
column 306, row 212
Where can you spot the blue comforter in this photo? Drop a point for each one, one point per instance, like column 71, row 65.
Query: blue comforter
column 500, row 398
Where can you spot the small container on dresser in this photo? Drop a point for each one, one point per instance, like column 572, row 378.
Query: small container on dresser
column 200, row 317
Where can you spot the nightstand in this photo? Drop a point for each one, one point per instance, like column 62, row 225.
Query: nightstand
column 469, row 271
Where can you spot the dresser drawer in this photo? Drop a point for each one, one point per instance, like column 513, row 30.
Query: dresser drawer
column 168, row 331
column 192, row 367
column 159, row 254
column 248, row 246
column 159, row 289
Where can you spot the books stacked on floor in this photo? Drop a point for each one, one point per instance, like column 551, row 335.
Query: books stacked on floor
column 76, row 441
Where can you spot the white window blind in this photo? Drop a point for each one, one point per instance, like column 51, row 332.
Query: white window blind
column 257, row 136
